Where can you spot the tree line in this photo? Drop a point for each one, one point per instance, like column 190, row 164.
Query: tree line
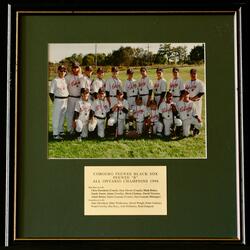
column 127, row 56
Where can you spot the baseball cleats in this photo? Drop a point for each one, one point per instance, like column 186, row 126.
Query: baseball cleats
column 57, row 137
column 196, row 131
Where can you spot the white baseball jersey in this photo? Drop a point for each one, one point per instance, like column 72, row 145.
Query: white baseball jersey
column 154, row 115
column 165, row 110
column 140, row 113
column 144, row 85
column 130, row 87
column 74, row 85
column 176, row 86
column 124, row 104
column 159, row 86
column 194, row 87
column 59, row 87
column 83, row 108
column 112, row 85
column 100, row 107
column 186, row 110
column 86, row 83
column 97, row 84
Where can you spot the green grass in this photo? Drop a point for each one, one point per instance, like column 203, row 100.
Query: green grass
column 191, row 147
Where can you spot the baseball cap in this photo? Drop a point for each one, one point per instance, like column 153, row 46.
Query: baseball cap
column 114, row 69
column 100, row 70
column 143, row 69
column 130, row 71
column 169, row 93
column 159, row 70
column 118, row 92
column 193, row 71
column 86, row 91
column 61, row 68
column 88, row 68
column 184, row 92
column 75, row 64
column 101, row 90
column 175, row 69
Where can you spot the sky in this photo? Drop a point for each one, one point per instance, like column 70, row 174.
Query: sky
column 58, row 51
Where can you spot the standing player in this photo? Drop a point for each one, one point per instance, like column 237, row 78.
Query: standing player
column 74, row 88
column 176, row 85
column 196, row 90
column 159, row 87
column 188, row 115
column 59, row 96
column 98, row 83
column 145, row 87
column 168, row 111
column 112, row 85
column 119, row 109
column 86, row 80
column 81, row 115
column 140, row 113
column 130, row 89
column 99, row 110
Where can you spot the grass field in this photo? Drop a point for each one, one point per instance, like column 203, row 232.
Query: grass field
column 191, row 147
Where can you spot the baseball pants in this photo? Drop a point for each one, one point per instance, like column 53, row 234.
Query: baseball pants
column 100, row 127
column 121, row 124
column 198, row 107
column 167, row 125
column 59, row 110
column 82, row 126
column 139, row 127
column 131, row 102
column 187, row 123
column 70, row 112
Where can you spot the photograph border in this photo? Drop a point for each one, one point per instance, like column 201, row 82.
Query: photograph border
column 239, row 132
column 167, row 80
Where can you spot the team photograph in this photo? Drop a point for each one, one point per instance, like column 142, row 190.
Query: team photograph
column 138, row 101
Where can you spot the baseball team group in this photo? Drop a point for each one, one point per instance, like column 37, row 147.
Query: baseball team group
column 144, row 106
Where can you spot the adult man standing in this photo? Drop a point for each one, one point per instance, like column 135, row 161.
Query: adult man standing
column 196, row 90
column 74, row 88
column 59, row 96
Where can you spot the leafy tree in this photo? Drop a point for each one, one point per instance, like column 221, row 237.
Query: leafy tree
column 197, row 55
column 89, row 59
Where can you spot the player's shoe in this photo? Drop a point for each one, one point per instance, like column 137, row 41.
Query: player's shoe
column 196, row 131
column 57, row 137
column 62, row 134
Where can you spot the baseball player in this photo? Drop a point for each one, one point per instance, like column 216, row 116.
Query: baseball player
column 119, row 109
column 74, row 88
column 196, row 90
column 140, row 113
column 176, row 85
column 99, row 110
column 59, row 96
column 145, row 87
column 98, row 83
column 159, row 87
column 81, row 115
column 130, row 89
column 154, row 124
column 168, row 112
column 188, row 114
column 86, row 81
column 112, row 85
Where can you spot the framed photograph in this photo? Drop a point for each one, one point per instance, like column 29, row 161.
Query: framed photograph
column 128, row 125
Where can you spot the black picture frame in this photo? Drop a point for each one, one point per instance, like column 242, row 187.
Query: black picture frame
column 8, row 109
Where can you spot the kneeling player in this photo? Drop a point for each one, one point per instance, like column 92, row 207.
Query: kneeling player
column 81, row 115
column 140, row 113
column 119, row 109
column 154, row 125
column 188, row 115
column 168, row 112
